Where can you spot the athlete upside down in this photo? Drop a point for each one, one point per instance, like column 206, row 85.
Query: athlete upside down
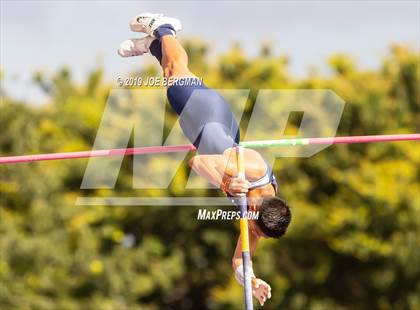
column 207, row 121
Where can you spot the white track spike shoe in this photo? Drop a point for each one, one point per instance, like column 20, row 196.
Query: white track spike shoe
column 135, row 47
column 148, row 23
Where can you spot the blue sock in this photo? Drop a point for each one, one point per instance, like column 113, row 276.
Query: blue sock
column 164, row 30
column 156, row 49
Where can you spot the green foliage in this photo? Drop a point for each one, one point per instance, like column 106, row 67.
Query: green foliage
column 353, row 243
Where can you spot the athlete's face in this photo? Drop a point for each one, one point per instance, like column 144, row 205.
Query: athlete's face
column 252, row 225
column 255, row 230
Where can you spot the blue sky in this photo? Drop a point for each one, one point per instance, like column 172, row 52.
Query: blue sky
column 45, row 35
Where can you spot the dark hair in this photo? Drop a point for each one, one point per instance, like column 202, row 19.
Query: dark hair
column 274, row 217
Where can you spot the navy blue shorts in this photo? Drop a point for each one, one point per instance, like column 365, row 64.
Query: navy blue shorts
column 205, row 117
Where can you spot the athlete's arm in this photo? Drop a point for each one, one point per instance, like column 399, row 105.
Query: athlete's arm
column 220, row 170
column 209, row 167
column 260, row 289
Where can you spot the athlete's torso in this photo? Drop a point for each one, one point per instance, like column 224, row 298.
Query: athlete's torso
column 268, row 178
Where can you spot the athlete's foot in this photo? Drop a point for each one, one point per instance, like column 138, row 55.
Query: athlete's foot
column 135, row 47
column 148, row 23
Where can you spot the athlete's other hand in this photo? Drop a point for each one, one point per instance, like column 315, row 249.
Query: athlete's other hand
column 261, row 290
column 237, row 186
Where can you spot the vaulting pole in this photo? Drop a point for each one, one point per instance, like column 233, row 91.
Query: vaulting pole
column 246, row 257
column 189, row 147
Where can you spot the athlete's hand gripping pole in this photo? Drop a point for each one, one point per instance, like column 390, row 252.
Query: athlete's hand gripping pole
column 246, row 257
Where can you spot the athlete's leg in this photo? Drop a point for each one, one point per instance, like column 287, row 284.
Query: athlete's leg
column 207, row 121
column 174, row 58
column 171, row 55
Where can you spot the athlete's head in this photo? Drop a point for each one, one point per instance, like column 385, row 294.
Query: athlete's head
column 274, row 218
